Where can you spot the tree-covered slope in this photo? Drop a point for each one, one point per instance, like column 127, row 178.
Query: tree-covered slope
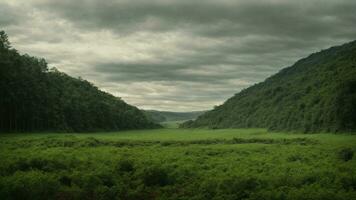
column 164, row 116
column 317, row 93
column 34, row 98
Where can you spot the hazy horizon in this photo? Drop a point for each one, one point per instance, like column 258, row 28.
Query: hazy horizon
column 175, row 55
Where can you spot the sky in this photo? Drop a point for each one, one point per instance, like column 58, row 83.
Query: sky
column 176, row 55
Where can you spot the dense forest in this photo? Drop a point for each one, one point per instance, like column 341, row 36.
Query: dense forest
column 35, row 98
column 317, row 93
column 165, row 116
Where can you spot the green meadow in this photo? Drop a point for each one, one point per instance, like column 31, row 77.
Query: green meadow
column 178, row 164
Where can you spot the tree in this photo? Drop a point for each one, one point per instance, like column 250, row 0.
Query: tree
column 33, row 98
column 4, row 42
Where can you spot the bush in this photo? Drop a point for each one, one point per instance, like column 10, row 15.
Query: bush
column 346, row 154
column 294, row 158
column 125, row 165
column 348, row 182
column 37, row 163
column 65, row 180
column 239, row 187
column 156, row 176
column 29, row 185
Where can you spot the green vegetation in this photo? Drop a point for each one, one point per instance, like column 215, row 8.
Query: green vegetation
column 34, row 98
column 172, row 124
column 178, row 164
column 316, row 94
column 167, row 116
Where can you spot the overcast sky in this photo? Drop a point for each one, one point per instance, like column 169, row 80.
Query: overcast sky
column 177, row 55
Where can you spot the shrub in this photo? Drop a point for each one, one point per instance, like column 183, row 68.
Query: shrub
column 294, row 158
column 348, row 182
column 65, row 180
column 125, row 165
column 29, row 185
column 156, row 176
column 90, row 142
column 346, row 154
column 70, row 193
column 36, row 163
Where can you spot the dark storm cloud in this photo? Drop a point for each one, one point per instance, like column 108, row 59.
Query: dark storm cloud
column 176, row 54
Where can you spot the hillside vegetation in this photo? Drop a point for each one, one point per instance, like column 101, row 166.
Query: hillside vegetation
column 34, row 98
column 317, row 93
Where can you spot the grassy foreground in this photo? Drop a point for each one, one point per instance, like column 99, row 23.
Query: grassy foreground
column 178, row 164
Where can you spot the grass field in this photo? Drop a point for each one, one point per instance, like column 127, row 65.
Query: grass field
column 178, row 164
column 172, row 124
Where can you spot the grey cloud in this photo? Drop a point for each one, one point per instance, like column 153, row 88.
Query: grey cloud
column 212, row 18
column 176, row 54
column 198, row 96
column 10, row 15
column 209, row 70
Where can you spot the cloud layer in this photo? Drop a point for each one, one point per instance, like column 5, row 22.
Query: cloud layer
column 175, row 55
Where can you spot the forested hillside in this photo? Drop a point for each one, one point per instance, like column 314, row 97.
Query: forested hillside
column 34, row 98
column 164, row 116
column 317, row 93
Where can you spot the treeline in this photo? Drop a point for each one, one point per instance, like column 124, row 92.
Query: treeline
column 35, row 98
column 317, row 93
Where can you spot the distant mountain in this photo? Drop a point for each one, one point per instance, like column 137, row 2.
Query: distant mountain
column 34, row 98
column 317, row 93
column 164, row 116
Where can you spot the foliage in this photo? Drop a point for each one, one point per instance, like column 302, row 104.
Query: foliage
column 317, row 93
column 346, row 154
column 155, row 176
column 34, row 98
column 250, row 164
column 125, row 165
